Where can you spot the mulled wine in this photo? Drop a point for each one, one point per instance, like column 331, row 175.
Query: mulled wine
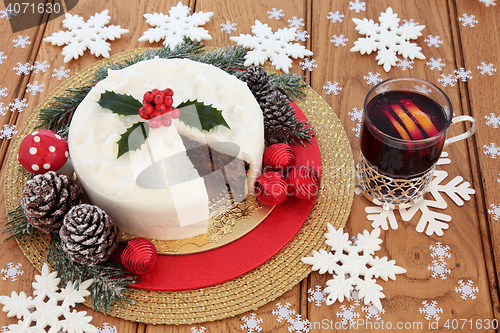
column 402, row 133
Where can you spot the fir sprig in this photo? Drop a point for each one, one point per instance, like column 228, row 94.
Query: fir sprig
column 290, row 84
column 17, row 225
column 110, row 279
column 230, row 60
column 303, row 131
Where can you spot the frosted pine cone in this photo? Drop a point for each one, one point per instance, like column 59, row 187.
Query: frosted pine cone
column 259, row 82
column 46, row 199
column 88, row 235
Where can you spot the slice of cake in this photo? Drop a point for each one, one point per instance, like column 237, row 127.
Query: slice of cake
column 163, row 190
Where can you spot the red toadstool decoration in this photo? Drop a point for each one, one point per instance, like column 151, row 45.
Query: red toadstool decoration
column 43, row 151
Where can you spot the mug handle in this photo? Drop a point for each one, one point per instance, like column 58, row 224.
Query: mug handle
column 463, row 135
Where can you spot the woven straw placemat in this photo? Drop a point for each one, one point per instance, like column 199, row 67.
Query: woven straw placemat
column 249, row 291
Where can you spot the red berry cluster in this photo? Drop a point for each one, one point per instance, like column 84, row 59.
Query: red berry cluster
column 157, row 108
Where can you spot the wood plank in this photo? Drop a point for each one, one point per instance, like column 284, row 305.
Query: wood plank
column 481, row 48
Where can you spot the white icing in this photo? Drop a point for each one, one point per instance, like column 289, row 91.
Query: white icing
column 179, row 210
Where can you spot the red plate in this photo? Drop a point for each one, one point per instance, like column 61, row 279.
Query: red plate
column 204, row 269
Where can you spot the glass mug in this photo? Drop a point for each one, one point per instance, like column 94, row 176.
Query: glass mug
column 403, row 131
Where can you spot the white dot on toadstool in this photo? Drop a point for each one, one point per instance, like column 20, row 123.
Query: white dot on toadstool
column 36, row 139
column 35, row 167
column 52, row 149
column 46, row 166
column 33, row 150
column 58, row 136
column 66, row 153
column 34, row 133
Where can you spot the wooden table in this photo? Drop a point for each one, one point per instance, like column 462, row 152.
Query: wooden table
column 457, row 35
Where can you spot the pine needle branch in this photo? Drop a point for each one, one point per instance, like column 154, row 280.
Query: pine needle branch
column 230, row 60
column 290, row 84
column 303, row 132
column 110, row 279
column 17, row 225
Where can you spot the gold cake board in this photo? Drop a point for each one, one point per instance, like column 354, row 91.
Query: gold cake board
column 253, row 289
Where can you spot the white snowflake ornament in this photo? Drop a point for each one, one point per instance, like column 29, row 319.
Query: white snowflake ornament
column 60, row 73
column 388, row 39
column 332, row 88
column 3, row 92
column 6, row 132
column 283, row 312
column 12, row 272
column 276, row 47
column 353, row 267
column 18, row 105
column 431, row 310
column 466, row 289
column 316, row 295
column 176, row 26
column 251, row 323
column 485, row 68
column 50, row 306
column 435, row 64
column 81, row 35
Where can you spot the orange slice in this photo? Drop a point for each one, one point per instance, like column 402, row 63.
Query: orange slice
column 408, row 122
column 401, row 130
column 421, row 117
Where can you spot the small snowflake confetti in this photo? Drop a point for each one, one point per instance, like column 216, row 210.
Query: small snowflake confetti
column 466, row 289
column 107, row 329
column 308, row 64
column 302, row 35
column 316, row 295
column 357, row 130
column 372, row 78
column 2, row 57
column 492, row 120
column 202, row 329
column 439, row 251
column 60, row 73
column 388, row 39
column 40, row 66
column 430, row 310
column 433, row 41
column 357, row 6
column 273, row 46
column 356, row 115
column 283, row 312
column 7, row 131
column 296, row 22
column 468, row 20
column 81, row 35
column 439, row 269
column 339, row 40
column 299, row 325
column 251, row 323
column 228, row 27
column 487, row 68
column 335, row 17
column 410, row 21
column 18, row 105
column 3, row 92
column 348, row 314
column 275, row 13
column 50, row 306
column 405, row 64
column 22, row 68
column 353, row 267
column 3, row 109
column 462, row 74
column 488, row 3
column 372, row 312
column 35, row 88
column 3, row 14
column 334, row 88
column 12, row 272
column 447, row 80
column 491, row 150
column 21, row 41
column 435, row 64
column 495, row 211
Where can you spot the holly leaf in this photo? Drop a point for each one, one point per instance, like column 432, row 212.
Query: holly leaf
column 121, row 104
column 203, row 117
column 133, row 138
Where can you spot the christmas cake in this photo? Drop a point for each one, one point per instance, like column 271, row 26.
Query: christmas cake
column 164, row 187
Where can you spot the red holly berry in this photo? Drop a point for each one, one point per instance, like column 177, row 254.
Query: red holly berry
column 168, row 92
column 154, row 122
column 148, row 97
column 161, row 108
column 166, row 121
column 148, row 108
column 174, row 113
column 168, row 101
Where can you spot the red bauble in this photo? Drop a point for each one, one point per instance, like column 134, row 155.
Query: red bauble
column 279, row 157
column 270, row 188
column 139, row 256
column 303, row 182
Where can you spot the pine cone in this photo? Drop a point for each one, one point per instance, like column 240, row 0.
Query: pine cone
column 88, row 235
column 259, row 82
column 279, row 118
column 46, row 199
